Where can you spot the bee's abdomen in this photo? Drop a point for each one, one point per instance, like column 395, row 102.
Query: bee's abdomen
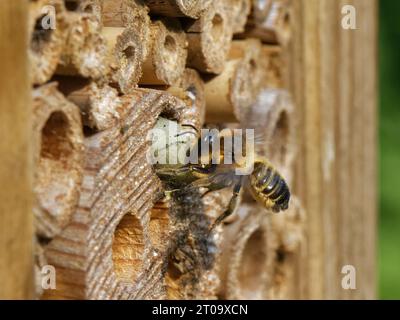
column 270, row 187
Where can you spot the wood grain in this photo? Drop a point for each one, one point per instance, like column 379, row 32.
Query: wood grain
column 107, row 250
column 333, row 80
column 16, row 218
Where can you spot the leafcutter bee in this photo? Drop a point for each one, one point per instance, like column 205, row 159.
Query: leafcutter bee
column 212, row 172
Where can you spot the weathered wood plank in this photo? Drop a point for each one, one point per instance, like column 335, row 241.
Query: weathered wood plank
column 16, row 219
column 333, row 80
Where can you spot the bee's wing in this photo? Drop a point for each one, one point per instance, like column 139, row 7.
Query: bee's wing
column 171, row 170
column 258, row 118
column 217, row 181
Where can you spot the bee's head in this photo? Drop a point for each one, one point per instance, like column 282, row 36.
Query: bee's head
column 206, row 158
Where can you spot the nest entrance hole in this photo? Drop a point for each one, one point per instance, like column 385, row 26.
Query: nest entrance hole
column 252, row 265
column 128, row 248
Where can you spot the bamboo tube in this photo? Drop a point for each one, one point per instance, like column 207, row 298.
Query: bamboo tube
column 108, row 250
column 275, row 65
column 239, row 11
column 269, row 64
column 167, row 53
column 230, row 94
column 245, row 262
column 178, row 8
column 209, row 39
column 251, row 51
column 58, row 159
column 275, row 29
column 125, row 13
column 272, row 119
column 132, row 14
column 193, row 85
column 91, row 7
column 126, row 54
column 47, row 40
column 86, row 50
column 220, row 93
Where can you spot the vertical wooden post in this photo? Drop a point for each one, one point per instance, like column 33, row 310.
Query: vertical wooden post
column 333, row 80
column 16, row 227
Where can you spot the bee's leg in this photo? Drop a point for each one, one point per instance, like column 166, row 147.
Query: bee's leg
column 190, row 126
column 232, row 204
column 168, row 193
column 201, row 183
column 207, row 192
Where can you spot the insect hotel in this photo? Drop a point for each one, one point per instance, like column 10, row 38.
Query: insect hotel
column 85, row 214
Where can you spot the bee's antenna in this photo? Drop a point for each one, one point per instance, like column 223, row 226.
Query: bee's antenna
column 191, row 126
column 216, row 222
column 186, row 132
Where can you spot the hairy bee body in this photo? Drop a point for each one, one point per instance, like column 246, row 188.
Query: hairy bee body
column 268, row 187
column 265, row 183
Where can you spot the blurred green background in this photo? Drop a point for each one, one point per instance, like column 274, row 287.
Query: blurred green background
column 389, row 224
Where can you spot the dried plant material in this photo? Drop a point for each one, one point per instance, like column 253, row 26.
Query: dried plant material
column 239, row 11
column 126, row 13
column 190, row 88
column 48, row 29
column 132, row 14
column 90, row 7
column 58, row 153
column 126, row 54
column 178, row 8
column 167, row 53
column 209, row 39
column 215, row 203
column 86, row 49
column 100, row 105
column 191, row 261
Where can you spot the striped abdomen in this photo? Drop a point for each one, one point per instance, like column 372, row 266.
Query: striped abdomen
column 269, row 187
